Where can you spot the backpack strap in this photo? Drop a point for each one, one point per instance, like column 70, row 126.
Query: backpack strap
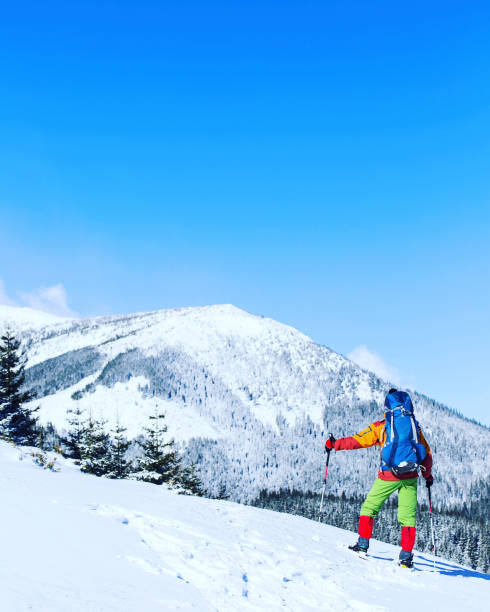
column 416, row 441
column 414, row 430
column 393, row 438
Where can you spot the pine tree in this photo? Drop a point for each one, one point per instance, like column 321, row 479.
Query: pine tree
column 483, row 551
column 48, row 438
column 95, row 448
column 160, row 462
column 17, row 422
column 76, row 434
column 189, row 481
column 470, row 557
column 119, row 467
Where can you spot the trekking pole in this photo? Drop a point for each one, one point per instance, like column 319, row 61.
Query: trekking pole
column 431, row 516
column 325, row 480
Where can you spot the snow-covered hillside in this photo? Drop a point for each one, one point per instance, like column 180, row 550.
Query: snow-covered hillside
column 73, row 542
column 21, row 318
column 250, row 398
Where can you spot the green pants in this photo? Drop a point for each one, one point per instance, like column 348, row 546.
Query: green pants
column 407, row 499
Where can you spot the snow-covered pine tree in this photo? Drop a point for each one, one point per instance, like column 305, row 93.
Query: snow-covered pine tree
column 159, row 462
column 76, row 433
column 17, row 422
column 95, row 448
column 48, row 438
column 189, row 481
column 483, row 551
column 470, row 550
column 119, row 467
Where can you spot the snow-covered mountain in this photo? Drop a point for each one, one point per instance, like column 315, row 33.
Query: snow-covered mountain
column 20, row 318
column 248, row 397
column 73, row 542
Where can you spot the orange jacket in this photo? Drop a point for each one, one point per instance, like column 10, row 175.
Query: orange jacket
column 375, row 435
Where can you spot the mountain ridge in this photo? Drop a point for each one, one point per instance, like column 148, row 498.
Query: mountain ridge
column 248, row 398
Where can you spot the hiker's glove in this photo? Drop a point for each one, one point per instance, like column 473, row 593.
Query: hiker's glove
column 330, row 443
column 429, row 482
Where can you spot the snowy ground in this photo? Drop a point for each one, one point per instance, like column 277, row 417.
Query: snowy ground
column 72, row 542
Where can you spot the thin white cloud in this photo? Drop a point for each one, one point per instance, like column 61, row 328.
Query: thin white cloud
column 4, row 298
column 49, row 299
column 369, row 360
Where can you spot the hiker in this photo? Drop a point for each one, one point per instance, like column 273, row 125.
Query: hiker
column 403, row 450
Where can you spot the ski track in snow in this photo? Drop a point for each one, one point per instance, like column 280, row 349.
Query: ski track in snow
column 73, row 542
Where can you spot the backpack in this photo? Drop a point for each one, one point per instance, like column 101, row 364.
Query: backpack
column 402, row 452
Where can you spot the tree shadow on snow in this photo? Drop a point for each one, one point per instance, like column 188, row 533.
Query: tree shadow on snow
column 448, row 569
column 422, row 564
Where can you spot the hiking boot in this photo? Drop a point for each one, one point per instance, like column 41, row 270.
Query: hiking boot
column 361, row 546
column 358, row 549
column 405, row 559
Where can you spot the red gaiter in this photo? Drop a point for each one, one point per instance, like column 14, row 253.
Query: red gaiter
column 366, row 526
column 408, row 538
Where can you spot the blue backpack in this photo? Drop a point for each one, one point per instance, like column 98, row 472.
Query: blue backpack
column 402, row 452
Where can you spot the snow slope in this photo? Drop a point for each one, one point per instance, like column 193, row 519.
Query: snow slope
column 73, row 542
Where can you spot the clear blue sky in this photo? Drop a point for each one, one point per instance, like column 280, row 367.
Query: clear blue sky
column 323, row 163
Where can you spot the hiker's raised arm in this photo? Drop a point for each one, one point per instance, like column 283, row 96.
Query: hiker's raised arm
column 371, row 436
